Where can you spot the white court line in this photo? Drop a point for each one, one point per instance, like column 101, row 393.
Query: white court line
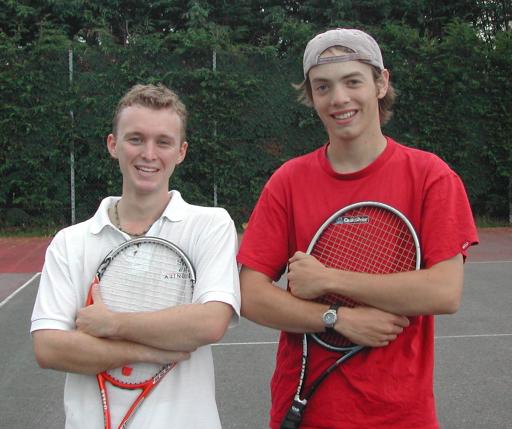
column 17, row 291
column 488, row 262
column 443, row 337
column 449, row 337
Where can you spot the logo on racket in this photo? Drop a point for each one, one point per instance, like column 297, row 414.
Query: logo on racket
column 343, row 220
column 182, row 272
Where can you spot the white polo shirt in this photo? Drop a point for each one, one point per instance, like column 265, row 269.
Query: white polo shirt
column 185, row 398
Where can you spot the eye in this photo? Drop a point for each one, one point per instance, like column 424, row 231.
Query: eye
column 354, row 82
column 135, row 140
column 321, row 87
column 165, row 143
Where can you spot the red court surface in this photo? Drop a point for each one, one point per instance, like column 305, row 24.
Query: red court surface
column 495, row 245
column 21, row 257
column 22, row 254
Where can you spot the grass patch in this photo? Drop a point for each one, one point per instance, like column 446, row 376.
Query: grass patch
column 28, row 231
column 489, row 222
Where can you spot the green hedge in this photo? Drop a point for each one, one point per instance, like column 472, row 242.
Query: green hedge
column 455, row 99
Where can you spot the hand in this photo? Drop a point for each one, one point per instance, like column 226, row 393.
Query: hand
column 163, row 357
column 96, row 319
column 306, row 276
column 370, row 326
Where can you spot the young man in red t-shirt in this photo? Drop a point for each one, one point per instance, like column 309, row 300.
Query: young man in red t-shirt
column 389, row 385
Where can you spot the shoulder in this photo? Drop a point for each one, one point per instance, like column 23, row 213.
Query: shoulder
column 422, row 160
column 297, row 169
column 74, row 233
column 83, row 235
column 217, row 215
column 204, row 218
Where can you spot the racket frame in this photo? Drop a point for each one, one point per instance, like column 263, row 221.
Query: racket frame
column 293, row 417
column 333, row 218
column 148, row 385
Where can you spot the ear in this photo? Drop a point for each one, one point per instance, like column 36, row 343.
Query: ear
column 183, row 152
column 112, row 145
column 383, row 84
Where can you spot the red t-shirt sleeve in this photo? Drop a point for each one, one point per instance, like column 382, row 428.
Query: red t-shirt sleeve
column 447, row 224
column 267, row 232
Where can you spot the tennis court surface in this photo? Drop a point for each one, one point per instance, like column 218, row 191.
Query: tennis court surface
column 473, row 349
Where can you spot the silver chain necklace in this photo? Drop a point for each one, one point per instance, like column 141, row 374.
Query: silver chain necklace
column 118, row 223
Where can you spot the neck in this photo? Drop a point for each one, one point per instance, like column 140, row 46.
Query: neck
column 350, row 156
column 135, row 216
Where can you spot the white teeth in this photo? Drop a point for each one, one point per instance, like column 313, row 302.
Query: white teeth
column 147, row 170
column 345, row 115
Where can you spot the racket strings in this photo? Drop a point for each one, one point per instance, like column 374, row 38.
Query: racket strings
column 146, row 277
column 122, row 286
column 383, row 245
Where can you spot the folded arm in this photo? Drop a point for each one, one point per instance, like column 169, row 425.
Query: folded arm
column 435, row 290
column 74, row 351
column 184, row 327
column 268, row 305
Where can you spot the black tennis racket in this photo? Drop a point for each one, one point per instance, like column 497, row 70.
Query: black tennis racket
column 366, row 237
column 142, row 274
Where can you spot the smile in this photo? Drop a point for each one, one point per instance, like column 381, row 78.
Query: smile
column 147, row 169
column 345, row 115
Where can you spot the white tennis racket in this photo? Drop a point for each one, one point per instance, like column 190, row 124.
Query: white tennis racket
column 142, row 274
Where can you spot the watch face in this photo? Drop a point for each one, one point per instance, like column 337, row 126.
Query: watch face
column 330, row 317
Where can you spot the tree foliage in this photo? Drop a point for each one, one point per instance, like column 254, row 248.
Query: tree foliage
column 233, row 64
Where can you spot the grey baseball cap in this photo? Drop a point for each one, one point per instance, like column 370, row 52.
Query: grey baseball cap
column 364, row 48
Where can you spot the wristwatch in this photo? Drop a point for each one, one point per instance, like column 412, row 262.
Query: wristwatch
column 331, row 316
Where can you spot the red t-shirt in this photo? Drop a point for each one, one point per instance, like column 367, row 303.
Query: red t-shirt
column 389, row 387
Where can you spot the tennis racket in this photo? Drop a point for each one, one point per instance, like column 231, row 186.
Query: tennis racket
column 142, row 274
column 367, row 237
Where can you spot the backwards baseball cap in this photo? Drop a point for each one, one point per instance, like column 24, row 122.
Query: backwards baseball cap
column 364, row 48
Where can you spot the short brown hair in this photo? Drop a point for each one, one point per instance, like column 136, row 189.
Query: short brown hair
column 155, row 97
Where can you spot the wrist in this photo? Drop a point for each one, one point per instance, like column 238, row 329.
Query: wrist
column 331, row 281
column 330, row 317
column 114, row 325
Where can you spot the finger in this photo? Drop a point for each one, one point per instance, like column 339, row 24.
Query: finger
column 95, row 292
column 403, row 321
column 297, row 257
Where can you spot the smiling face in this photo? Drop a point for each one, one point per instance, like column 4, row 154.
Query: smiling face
column 346, row 97
column 148, row 145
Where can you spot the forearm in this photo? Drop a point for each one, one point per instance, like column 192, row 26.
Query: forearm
column 436, row 290
column 75, row 351
column 271, row 306
column 184, row 327
column 268, row 305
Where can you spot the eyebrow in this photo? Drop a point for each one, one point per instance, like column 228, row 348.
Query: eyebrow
column 141, row 134
column 347, row 76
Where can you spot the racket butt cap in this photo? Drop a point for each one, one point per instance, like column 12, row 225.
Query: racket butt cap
column 294, row 416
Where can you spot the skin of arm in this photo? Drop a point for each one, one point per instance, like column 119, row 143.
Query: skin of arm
column 74, row 351
column 435, row 290
column 268, row 305
column 184, row 327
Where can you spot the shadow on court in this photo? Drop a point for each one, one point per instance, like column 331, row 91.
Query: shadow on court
column 473, row 349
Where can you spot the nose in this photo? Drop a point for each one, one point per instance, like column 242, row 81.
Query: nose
column 340, row 95
column 149, row 152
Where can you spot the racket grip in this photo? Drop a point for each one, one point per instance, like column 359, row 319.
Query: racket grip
column 294, row 416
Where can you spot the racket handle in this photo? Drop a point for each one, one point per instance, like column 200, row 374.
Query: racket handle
column 294, row 416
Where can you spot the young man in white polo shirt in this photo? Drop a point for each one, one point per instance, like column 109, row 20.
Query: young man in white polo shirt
column 148, row 140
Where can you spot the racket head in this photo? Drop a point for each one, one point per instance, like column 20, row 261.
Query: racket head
column 366, row 237
column 144, row 274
